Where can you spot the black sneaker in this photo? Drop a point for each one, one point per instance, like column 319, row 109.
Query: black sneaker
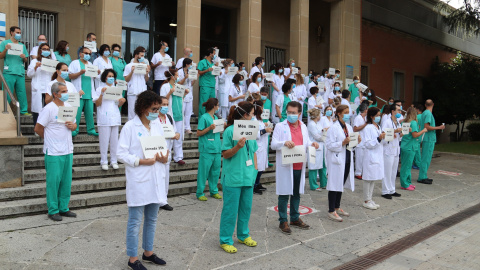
column 55, row 217
column 425, row 181
column 256, row 190
column 153, row 259
column 387, row 196
column 137, row 265
column 167, row 207
column 396, row 194
column 262, row 188
column 68, row 214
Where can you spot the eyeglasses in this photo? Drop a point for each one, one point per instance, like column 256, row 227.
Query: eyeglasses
column 87, row 53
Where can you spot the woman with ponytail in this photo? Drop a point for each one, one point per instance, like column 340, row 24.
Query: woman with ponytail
column 60, row 75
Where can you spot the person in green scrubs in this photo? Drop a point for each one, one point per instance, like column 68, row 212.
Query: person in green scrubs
column 372, row 98
column 354, row 89
column 418, row 157
column 238, row 177
column 428, row 143
column 408, row 147
column 207, row 80
column 209, row 145
column 14, row 68
column 267, row 105
column 61, row 52
column 118, row 64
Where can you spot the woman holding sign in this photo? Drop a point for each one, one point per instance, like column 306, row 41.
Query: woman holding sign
column 145, row 177
column 236, row 94
column 238, row 178
column 40, row 79
column 254, row 87
column 137, row 82
column 60, row 75
column 373, row 164
column 391, row 151
column 209, row 145
column 108, row 120
column 318, row 168
column 262, row 142
column 188, row 100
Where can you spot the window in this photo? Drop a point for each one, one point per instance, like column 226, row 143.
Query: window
column 215, row 30
column 398, row 85
column 417, row 88
column 364, row 75
column 273, row 56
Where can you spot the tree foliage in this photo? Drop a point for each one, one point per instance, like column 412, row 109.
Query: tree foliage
column 455, row 89
column 464, row 20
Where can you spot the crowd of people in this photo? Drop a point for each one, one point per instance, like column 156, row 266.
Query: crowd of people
column 345, row 130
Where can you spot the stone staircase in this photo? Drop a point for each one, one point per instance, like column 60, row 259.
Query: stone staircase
column 91, row 186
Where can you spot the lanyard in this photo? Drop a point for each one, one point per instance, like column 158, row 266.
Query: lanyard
column 345, row 130
column 248, row 150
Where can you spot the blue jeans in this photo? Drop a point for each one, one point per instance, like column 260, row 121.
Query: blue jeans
column 135, row 215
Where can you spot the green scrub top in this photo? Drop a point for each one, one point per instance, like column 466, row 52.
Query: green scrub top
column 63, row 59
column 408, row 142
column 267, row 105
column 207, row 79
column 119, row 67
column 86, row 84
column 235, row 172
column 427, row 117
column 210, row 142
column 177, row 109
column 286, row 100
column 354, row 92
column 13, row 64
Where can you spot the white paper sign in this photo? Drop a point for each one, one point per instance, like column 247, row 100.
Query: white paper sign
column 216, row 71
column 122, row 85
column 140, row 69
column 324, row 135
column 66, row 114
column 92, row 45
column 217, row 52
column 245, row 128
column 331, row 71
column 294, row 70
column 269, row 76
column 219, row 125
column 192, row 74
column 15, row 49
column 194, row 65
column 167, row 62
column 113, row 93
column 168, row 131
column 91, row 71
column 152, row 145
column 74, row 99
column 49, row 65
column 348, row 82
column 295, row 155
column 354, row 107
column 389, row 134
column 362, row 87
column 179, row 90
column 265, row 114
column 321, row 86
column 232, row 71
column 405, row 128
column 319, row 100
column 353, row 140
column 312, row 155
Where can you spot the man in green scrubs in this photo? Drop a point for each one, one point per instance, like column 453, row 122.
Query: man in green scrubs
column 408, row 147
column 428, row 143
column 14, row 68
column 207, row 80
column 418, row 157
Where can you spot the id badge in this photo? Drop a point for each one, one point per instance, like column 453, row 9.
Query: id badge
column 249, row 162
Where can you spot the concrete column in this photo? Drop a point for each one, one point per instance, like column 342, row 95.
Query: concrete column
column 250, row 31
column 109, row 21
column 10, row 8
column 299, row 16
column 345, row 27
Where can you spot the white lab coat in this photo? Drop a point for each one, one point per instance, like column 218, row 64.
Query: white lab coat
column 300, row 93
column 262, row 142
column 235, row 92
column 254, row 88
column 224, row 85
column 163, row 92
column 102, row 65
column 336, row 159
column 40, row 80
column 315, row 135
column 372, row 154
column 391, row 148
column 284, row 173
column 253, row 71
column 145, row 184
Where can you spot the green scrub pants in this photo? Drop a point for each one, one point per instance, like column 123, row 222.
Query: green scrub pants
column 208, row 169
column 16, row 83
column 427, row 152
column 59, row 182
column 418, row 157
column 294, row 200
column 312, row 177
column 237, row 201
column 205, row 94
column 86, row 105
column 407, row 158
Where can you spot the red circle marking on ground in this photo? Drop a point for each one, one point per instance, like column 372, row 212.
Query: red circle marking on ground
column 304, row 210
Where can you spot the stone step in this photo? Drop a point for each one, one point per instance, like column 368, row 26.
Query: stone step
column 28, row 120
column 93, row 199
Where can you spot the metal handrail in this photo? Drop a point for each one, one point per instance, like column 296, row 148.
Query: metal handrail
column 13, row 100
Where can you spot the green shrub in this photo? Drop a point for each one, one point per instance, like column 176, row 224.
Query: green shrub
column 474, row 131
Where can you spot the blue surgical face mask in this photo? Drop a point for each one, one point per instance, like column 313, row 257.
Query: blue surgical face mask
column 263, row 64
column 64, row 75
column 326, row 75
column 280, row 70
column 328, row 113
column 214, row 56
column 243, row 68
column 164, row 110
column 66, row 49
column 106, row 53
column 346, row 117
column 293, row 64
column 152, row 116
column 110, row 80
column 369, row 94
column 190, row 55
column 166, row 49
column 218, row 110
column 41, row 42
column 241, row 82
column 116, row 53
column 18, row 36
column 337, row 88
column 338, row 75
column 64, row 97
column 377, row 119
column 141, row 59
column 390, row 103
column 294, row 86
column 398, row 115
column 263, row 97
column 259, row 79
column 401, row 107
column 319, row 79
column 356, row 81
column 292, row 118
column 86, row 57
column 45, row 53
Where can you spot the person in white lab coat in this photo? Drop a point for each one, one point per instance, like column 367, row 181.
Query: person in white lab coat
column 160, row 69
column 327, row 121
column 225, row 84
column 145, row 178
column 236, row 94
column 102, row 62
column 259, row 64
column 188, row 100
column 137, row 83
column 336, row 92
column 108, row 119
column 262, row 142
column 278, row 81
column 41, row 39
column 391, row 151
column 290, row 178
column 187, row 53
column 312, row 100
column 315, row 132
column 288, row 69
column 359, row 125
column 339, row 162
column 256, row 83
column 40, row 79
column 373, row 167
column 60, row 75
column 300, row 90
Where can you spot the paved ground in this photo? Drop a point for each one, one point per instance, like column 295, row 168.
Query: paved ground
column 187, row 238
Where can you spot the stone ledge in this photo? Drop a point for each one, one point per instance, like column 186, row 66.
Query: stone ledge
column 14, row 141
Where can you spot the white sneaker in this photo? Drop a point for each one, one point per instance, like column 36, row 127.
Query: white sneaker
column 105, row 167
column 377, row 205
column 318, row 189
column 369, row 205
column 115, row 166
